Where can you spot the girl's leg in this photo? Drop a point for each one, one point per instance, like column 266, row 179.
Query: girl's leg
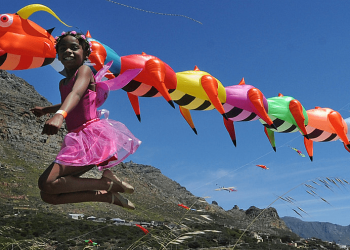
column 59, row 179
column 87, row 196
column 83, row 171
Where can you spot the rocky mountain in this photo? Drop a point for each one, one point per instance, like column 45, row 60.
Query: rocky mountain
column 19, row 129
column 322, row 230
column 25, row 153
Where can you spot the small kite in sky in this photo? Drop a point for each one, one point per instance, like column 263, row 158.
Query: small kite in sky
column 230, row 189
column 182, row 205
column 142, row 228
column 262, row 166
column 91, row 242
column 298, row 151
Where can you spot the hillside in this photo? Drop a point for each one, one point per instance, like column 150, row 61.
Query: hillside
column 322, row 230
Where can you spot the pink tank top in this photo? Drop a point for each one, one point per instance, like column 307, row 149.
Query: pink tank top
column 85, row 109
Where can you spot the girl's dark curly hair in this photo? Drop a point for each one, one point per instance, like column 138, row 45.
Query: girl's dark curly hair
column 80, row 37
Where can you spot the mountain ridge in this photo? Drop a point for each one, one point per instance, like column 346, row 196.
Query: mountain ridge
column 325, row 231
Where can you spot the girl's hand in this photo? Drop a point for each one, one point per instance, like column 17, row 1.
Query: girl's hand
column 52, row 125
column 38, row 111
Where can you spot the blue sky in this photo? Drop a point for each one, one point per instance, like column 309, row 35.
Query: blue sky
column 297, row 48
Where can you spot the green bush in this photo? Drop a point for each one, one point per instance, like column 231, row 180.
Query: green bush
column 193, row 244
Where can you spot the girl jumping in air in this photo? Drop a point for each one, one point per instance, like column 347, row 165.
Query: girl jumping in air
column 90, row 141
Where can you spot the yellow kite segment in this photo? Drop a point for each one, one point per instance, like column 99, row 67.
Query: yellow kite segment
column 190, row 82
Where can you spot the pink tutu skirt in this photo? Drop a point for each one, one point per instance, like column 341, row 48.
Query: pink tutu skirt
column 104, row 143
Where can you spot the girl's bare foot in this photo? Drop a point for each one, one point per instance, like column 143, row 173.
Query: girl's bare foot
column 125, row 187
column 119, row 200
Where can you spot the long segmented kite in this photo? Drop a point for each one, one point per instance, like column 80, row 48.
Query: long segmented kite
column 143, row 75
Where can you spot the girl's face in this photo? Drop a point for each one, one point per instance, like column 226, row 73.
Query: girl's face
column 71, row 53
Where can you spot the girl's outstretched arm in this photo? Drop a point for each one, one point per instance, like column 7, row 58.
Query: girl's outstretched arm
column 40, row 111
column 83, row 79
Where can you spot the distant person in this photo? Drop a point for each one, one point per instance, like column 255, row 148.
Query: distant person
column 90, row 141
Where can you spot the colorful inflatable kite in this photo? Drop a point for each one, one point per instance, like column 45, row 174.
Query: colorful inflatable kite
column 298, row 151
column 147, row 76
column 91, row 242
column 155, row 79
column 182, row 205
column 347, row 121
column 23, row 43
column 262, row 166
column 288, row 116
column 324, row 125
column 198, row 90
column 244, row 103
column 229, row 189
column 142, row 228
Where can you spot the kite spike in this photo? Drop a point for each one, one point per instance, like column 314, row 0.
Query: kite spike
column 296, row 110
column 242, row 82
column 257, row 100
column 143, row 53
column 28, row 10
column 347, row 147
column 187, row 115
column 134, row 100
column 196, row 68
column 156, row 69
column 271, row 136
column 88, row 35
column 309, row 147
column 231, row 130
column 50, row 31
column 337, row 123
column 171, row 103
column 280, row 95
column 210, row 86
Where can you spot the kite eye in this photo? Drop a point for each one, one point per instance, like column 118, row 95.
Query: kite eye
column 5, row 20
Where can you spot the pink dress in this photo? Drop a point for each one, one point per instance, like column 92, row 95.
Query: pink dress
column 91, row 140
